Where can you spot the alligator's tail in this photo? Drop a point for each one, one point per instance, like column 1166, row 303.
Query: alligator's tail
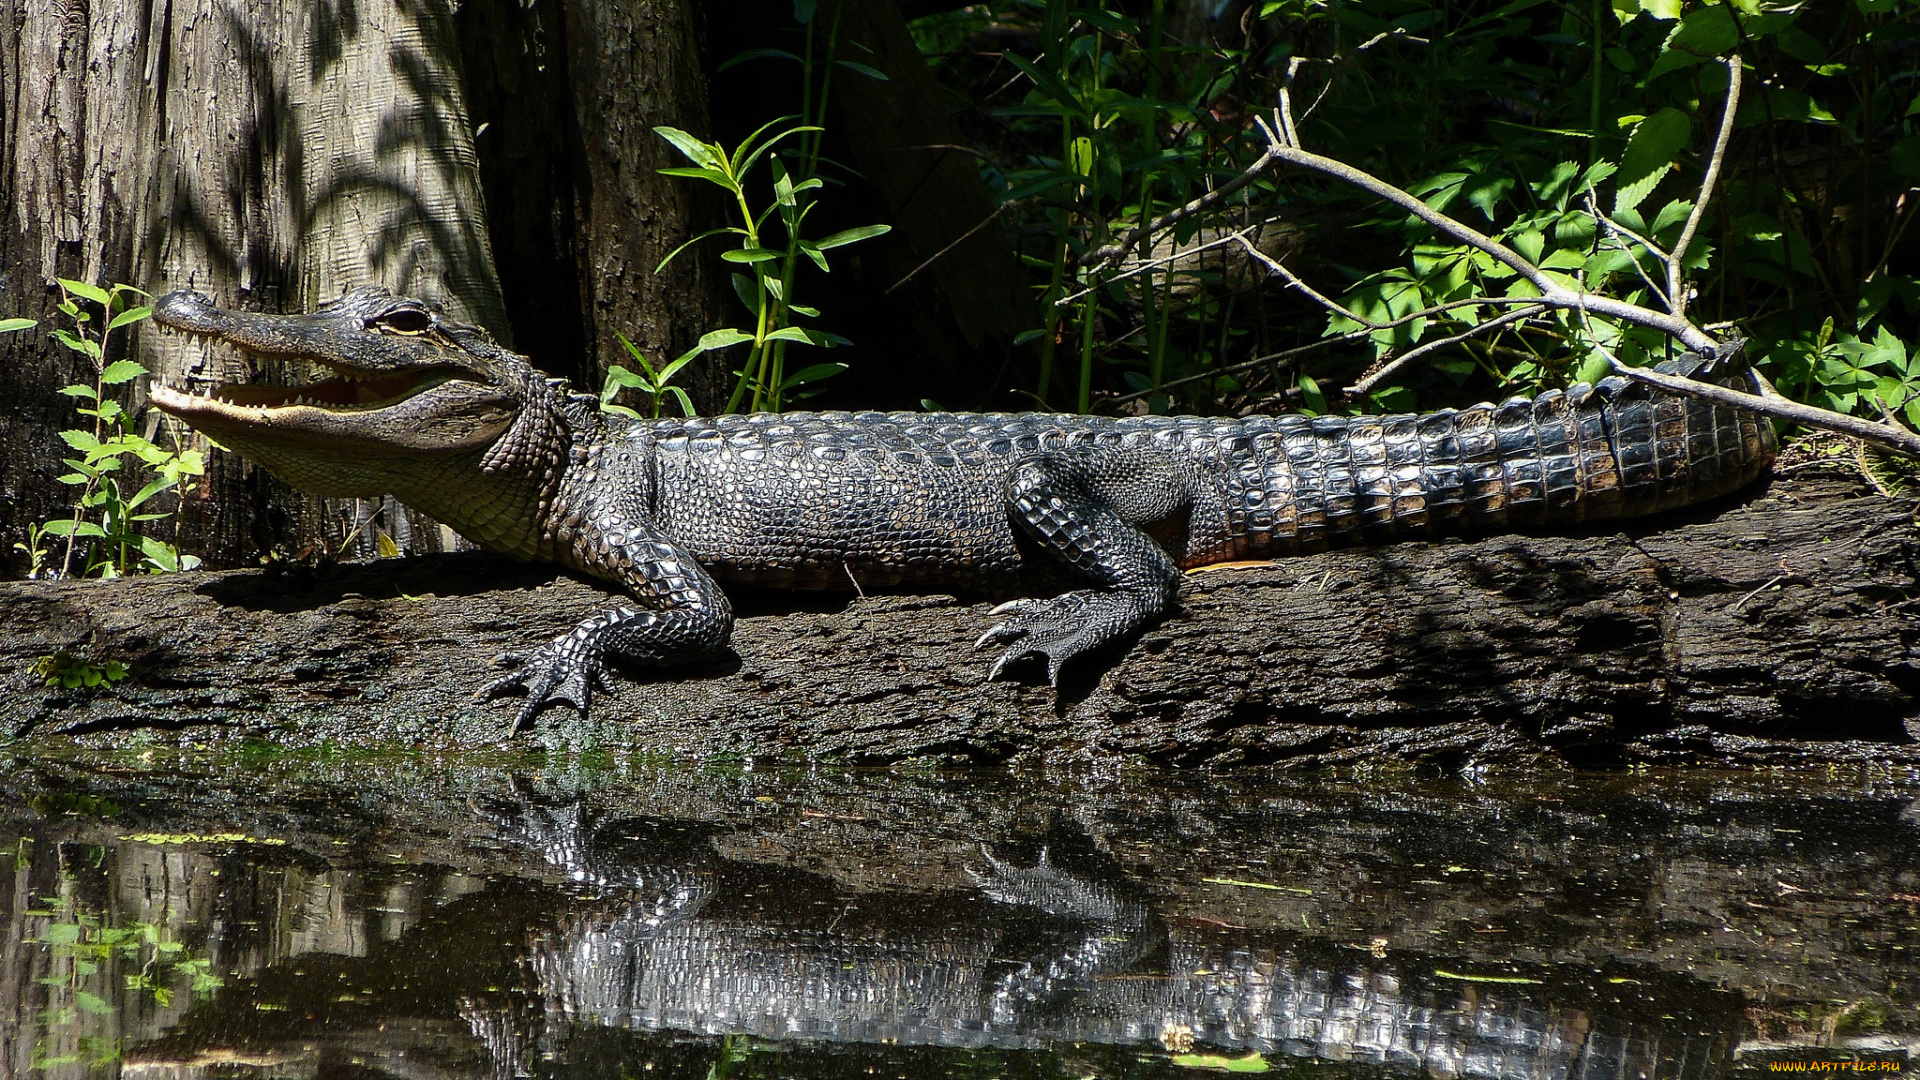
column 1610, row 450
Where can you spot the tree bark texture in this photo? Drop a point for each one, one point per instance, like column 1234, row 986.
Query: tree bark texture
column 1778, row 629
column 276, row 155
column 634, row 65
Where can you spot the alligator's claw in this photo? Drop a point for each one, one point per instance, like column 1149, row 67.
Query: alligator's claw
column 566, row 670
column 1055, row 630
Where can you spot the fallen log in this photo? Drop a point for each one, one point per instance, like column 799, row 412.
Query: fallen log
column 1773, row 628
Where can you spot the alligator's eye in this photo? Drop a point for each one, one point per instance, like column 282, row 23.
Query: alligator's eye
column 405, row 321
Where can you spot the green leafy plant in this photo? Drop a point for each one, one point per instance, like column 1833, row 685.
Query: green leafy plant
column 1576, row 134
column 73, row 672
column 86, row 953
column 766, row 286
column 771, row 260
column 657, row 385
column 103, row 512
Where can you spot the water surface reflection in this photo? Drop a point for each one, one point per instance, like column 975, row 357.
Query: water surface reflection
column 426, row 920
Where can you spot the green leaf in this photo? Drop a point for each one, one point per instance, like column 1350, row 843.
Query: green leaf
column 796, row 333
column 1701, row 34
column 131, row 315
column 164, row 556
column 83, row 346
column 1905, row 155
column 756, row 54
column 61, row 934
column 121, row 371
column 1655, row 142
column 1051, row 86
column 870, row 72
column 852, row 236
column 686, row 403
column 154, row 487
column 80, row 391
column 750, row 255
column 85, row 291
column 721, row 339
column 811, row 374
column 618, row 377
column 711, row 175
column 676, row 251
column 1311, row 395
column 705, row 155
column 8, row 326
column 639, row 358
column 92, row 1003
column 82, row 441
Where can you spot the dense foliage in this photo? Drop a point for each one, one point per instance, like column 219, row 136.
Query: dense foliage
column 1577, row 133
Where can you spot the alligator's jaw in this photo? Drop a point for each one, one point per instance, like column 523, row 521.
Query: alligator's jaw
column 412, row 406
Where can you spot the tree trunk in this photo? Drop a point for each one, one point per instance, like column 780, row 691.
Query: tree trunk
column 634, row 65
column 276, row 155
column 1778, row 630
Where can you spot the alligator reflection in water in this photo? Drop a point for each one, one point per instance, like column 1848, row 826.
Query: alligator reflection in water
column 398, row 921
column 1039, row 956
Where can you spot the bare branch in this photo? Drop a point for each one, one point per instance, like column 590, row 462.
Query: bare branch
column 1676, row 269
column 1150, row 264
column 1614, row 231
column 1367, row 384
column 1293, row 281
column 935, row 257
column 1593, row 207
column 1101, row 257
column 1552, row 293
column 1898, row 438
column 1285, row 356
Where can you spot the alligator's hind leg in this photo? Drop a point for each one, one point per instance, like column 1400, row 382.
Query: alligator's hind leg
column 1086, row 506
column 685, row 616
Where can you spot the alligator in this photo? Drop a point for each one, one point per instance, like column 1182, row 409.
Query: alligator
column 1022, row 505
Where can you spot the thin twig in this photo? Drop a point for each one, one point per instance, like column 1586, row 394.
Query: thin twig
column 1283, row 357
column 1367, row 384
column 1593, row 207
column 1101, row 257
column 1279, row 269
column 1146, row 265
column 1552, row 292
column 1742, row 602
column 935, row 257
column 1614, row 231
column 1293, row 281
column 1676, row 263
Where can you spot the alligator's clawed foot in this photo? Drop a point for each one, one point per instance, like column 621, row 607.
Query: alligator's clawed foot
column 563, row 671
column 1058, row 629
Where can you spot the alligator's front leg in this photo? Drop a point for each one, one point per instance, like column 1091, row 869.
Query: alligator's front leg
column 683, row 616
column 1086, row 506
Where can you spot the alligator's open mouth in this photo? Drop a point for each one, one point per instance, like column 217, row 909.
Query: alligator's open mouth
column 345, row 390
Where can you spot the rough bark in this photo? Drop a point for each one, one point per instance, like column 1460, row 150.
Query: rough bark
column 634, row 65
column 1774, row 629
column 272, row 154
column 275, row 155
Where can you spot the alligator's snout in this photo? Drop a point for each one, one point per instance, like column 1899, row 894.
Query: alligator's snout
column 186, row 309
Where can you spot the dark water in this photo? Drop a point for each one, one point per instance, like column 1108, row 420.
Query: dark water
column 434, row 919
